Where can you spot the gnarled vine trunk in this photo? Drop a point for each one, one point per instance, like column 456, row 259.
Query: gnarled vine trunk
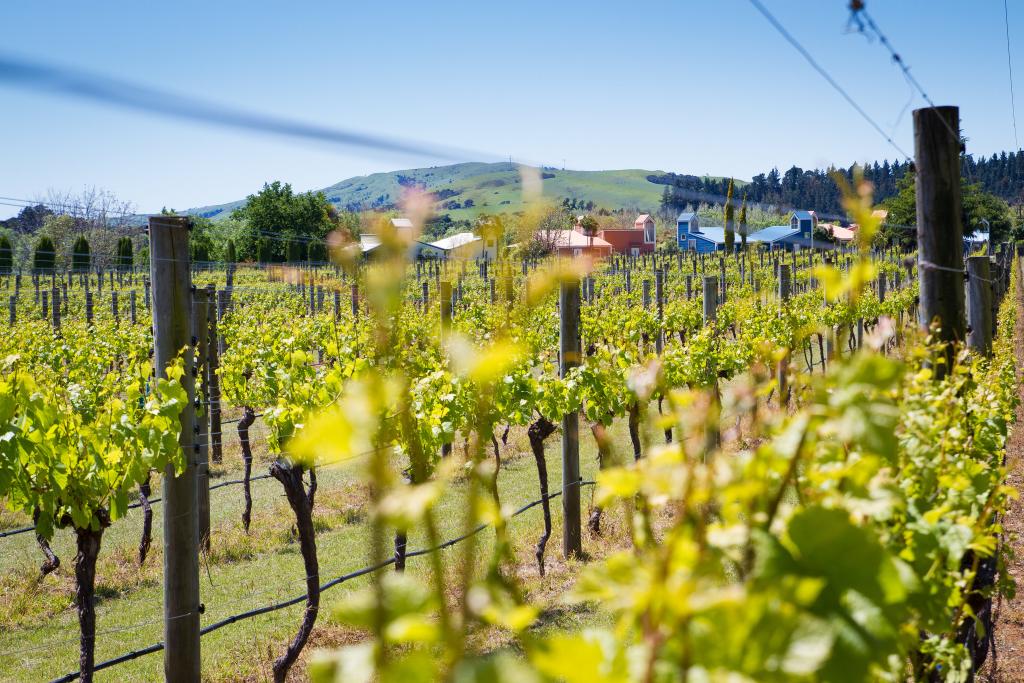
column 88, row 542
column 634, row 429
column 147, row 520
column 52, row 562
column 248, row 417
column 603, row 455
column 301, row 504
column 541, row 429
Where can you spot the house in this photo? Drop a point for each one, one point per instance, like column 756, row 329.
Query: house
column 690, row 236
column 840, row 235
column 639, row 239
column 799, row 233
column 575, row 243
column 465, row 245
column 404, row 228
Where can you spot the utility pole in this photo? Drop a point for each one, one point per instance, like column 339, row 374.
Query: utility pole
column 170, row 277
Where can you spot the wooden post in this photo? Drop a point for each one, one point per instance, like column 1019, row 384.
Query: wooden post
column 979, row 309
column 659, row 296
column 132, row 306
column 213, row 377
column 426, row 295
column 355, row 302
column 939, row 228
column 12, row 303
column 200, row 341
column 337, row 305
column 55, row 313
column 113, row 303
column 710, row 298
column 169, row 275
column 445, row 298
column 88, row 308
column 569, row 357
column 782, row 369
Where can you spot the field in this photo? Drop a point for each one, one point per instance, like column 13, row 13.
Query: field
column 743, row 423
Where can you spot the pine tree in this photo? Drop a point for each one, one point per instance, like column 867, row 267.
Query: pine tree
column 730, row 235
column 229, row 253
column 125, row 254
column 80, row 255
column 743, row 223
column 6, row 255
column 45, row 256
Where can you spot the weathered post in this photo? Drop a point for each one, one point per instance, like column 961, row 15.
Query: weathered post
column 782, row 369
column 132, row 305
column 200, row 337
column 659, row 296
column 569, row 357
column 979, row 307
column 710, row 298
column 169, row 275
column 88, row 308
column 12, row 303
column 113, row 304
column 355, row 302
column 212, row 376
column 939, row 228
column 55, row 313
column 445, row 298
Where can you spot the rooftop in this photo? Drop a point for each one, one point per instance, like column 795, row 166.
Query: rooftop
column 455, row 241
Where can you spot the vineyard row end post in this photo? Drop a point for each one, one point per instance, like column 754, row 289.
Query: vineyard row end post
column 569, row 357
column 170, row 278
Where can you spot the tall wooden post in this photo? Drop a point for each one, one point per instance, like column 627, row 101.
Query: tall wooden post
column 169, row 275
column 569, row 357
column 710, row 298
column 200, row 338
column 445, row 298
column 782, row 369
column 979, row 308
column 659, row 296
column 212, row 375
column 939, row 226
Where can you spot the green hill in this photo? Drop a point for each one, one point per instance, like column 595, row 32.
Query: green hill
column 464, row 191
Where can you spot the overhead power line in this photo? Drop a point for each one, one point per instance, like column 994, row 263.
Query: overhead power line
column 120, row 93
column 825, row 74
column 1009, row 68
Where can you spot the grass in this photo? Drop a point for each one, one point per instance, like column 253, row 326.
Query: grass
column 38, row 622
column 494, row 188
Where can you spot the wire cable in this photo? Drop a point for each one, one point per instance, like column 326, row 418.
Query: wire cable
column 1009, row 68
column 825, row 74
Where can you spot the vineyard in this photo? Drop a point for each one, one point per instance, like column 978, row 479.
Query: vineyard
column 757, row 466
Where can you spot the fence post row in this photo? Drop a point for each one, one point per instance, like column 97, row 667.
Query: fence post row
column 170, row 278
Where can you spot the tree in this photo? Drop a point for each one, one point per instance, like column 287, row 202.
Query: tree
column 80, row 255
column 44, row 258
column 743, row 223
column 229, row 252
column 6, row 255
column 125, row 258
column 296, row 251
column 276, row 215
column 730, row 235
column 977, row 206
column 590, row 226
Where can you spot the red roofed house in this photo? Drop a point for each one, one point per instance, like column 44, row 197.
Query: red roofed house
column 640, row 239
column 575, row 243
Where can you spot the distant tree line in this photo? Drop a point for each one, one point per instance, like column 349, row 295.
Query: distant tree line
column 1001, row 175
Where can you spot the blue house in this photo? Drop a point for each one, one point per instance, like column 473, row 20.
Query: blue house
column 799, row 233
column 691, row 237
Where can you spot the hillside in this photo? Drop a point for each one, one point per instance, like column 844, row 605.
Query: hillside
column 466, row 190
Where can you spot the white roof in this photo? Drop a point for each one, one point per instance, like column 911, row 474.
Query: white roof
column 368, row 242
column 401, row 223
column 455, row 241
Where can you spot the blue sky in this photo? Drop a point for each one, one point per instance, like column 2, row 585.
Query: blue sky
column 686, row 85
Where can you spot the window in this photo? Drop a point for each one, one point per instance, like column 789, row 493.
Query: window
column 635, row 251
column 794, row 223
column 649, row 234
column 577, row 252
